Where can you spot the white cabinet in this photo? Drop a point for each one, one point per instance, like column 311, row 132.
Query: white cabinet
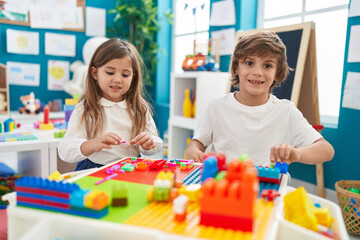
column 208, row 85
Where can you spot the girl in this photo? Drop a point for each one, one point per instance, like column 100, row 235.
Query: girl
column 112, row 120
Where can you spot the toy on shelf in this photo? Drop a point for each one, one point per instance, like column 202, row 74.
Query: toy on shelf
column 30, row 106
column 187, row 104
column 7, row 182
column 201, row 59
column 13, row 137
column 3, row 103
column 55, row 106
column 61, row 197
column 69, row 106
column 9, row 125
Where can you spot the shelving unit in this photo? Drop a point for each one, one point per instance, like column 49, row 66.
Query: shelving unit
column 4, row 91
column 208, row 85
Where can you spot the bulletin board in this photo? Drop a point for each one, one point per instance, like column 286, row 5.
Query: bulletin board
column 80, row 3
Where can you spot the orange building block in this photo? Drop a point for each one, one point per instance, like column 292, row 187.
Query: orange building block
column 231, row 199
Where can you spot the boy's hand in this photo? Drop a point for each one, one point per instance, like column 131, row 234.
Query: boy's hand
column 144, row 140
column 283, row 152
column 100, row 142
column 194, row 154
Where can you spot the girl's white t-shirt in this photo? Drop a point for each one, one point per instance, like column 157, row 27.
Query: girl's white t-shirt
column 117, row 120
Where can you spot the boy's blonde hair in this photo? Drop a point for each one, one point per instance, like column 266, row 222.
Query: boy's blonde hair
column 260, row 44
column 136, row 105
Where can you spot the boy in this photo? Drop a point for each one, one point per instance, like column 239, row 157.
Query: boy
column 254, row 121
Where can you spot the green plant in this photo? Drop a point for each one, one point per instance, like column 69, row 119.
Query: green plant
column 137, row 21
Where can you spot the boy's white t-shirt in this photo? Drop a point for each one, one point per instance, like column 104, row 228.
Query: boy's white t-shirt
column 234, row 128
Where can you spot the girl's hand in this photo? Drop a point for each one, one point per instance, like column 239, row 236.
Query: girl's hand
column 144, row 140
column 105, row 141
column 283, row 152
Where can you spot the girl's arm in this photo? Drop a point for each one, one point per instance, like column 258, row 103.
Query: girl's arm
column 97, row 144
column 318, row 152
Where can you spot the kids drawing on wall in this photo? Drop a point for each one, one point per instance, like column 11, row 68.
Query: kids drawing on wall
column 112, row 119
column 254, row 121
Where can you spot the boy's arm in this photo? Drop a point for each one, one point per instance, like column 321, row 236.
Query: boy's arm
column 195, row 150
column 318, row 152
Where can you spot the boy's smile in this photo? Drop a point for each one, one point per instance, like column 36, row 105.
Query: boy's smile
column 256, row 75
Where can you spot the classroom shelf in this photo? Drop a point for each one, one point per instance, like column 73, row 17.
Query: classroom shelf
column 208, row 85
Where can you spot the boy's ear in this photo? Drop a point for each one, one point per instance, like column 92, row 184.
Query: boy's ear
column 94, row 72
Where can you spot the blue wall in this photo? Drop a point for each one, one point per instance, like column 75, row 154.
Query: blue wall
column 162, row 92
column 41, row 91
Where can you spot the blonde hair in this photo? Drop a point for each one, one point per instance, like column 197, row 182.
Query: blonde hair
column 260, row 44
column 137, row 107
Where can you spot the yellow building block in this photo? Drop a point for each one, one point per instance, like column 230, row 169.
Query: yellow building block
column 192, row 191
column 56, row 176
column 323, row 216
column 46, row 126
column 299, row 209
column 71, row 101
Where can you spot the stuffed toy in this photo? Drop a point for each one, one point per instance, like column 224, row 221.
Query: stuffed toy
column 30, row 107
column 3, row 103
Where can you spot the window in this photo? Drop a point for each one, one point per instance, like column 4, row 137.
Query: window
column 330, row 19
column 191, row 23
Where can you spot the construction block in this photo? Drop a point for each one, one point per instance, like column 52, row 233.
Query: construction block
column 46, row 126
column 56, row 176
column 236, row 194
column 71, row 101
column 210, row 168
column 299, row 209
column 283, row 167
column 323, row 216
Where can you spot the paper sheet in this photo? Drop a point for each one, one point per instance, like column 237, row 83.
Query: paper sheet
column 58, row 74
column 49, row 18
column 354, row 9
column 72, row 18
column 60, row 44
column 23, row 73
column 354, row 44
column 22, row 42
column 95, row 21
column 227, row 39
column 351, row 96
column 222, row 13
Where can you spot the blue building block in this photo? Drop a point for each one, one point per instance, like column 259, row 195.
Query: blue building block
column 77, row 198
column 283, row 167
column 268, row 172
column 210, row 168
column 36, row 182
